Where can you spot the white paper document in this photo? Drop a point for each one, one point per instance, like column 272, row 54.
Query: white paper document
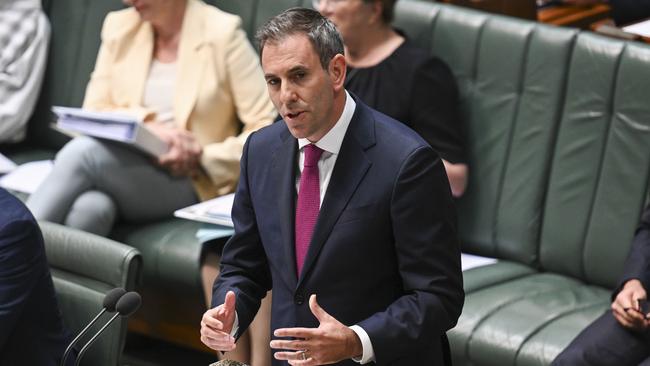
column 111, row 126
column 6, row 165
column 27, row 177
column 214, row 211
column 469, row 261
column 641, row 28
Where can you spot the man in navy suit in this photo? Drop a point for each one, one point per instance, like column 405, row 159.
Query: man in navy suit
column 344, row 212
column 621, row 336
column 31, row 329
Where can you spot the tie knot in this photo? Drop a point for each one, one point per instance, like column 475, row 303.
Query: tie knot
column 312, row 154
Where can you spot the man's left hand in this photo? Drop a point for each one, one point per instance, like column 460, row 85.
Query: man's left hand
column 331, row 342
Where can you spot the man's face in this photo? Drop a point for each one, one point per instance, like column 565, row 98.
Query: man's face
column 301, row 90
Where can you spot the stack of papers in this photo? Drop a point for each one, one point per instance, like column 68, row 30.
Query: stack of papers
column 110, row 126
column 27, row 177
column 6, row 165
column 640, row 28
column 215, row 211
column 469, row 261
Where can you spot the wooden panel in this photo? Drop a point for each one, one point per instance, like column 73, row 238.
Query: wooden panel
column 573, row 16
column 526, row 9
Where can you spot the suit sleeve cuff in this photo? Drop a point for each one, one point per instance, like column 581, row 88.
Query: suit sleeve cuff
column 368, row 354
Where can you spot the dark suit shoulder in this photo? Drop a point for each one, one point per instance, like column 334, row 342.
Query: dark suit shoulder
column 12, row 209
column 271, row 135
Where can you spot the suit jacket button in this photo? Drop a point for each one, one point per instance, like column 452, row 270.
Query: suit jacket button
column 299, row 299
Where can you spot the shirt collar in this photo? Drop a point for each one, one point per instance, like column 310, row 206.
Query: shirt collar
column 333, row 139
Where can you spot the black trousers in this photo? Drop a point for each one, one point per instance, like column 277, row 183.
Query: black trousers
column 605, row 342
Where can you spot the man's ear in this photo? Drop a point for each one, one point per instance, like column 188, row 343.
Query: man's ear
column 337, row 71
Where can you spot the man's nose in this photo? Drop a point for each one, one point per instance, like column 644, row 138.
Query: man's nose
column 287, row 94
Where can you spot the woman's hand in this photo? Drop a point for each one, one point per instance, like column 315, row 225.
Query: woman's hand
column 184, row 154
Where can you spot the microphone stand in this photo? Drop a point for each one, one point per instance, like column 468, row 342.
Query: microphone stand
column 83, row 331
column 85, row 347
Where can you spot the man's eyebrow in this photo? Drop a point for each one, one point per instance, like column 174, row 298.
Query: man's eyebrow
column 297, row 69
column 293, row 70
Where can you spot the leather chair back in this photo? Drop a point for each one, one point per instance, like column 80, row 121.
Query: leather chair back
column 84, row 268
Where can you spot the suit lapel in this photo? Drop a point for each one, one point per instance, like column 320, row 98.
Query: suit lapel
column 284, row 190
column 350, row 168
column 190, row 63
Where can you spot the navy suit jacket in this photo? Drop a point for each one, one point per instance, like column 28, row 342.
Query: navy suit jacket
column 637, row 265
column 31, row 329
column 384, row 253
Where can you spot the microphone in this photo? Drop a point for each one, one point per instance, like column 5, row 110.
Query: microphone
column 128, row 304
column 110, row 301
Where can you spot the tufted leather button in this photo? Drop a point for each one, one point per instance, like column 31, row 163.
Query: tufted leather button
column 298, row 299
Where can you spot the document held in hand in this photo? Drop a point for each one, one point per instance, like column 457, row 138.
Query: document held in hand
column 109, row 126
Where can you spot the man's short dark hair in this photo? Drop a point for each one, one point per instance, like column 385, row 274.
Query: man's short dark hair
column 322, row 34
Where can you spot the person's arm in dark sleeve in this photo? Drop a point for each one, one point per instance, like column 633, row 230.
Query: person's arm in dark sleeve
column 21, row 269
column 434, row 115
column 428, row 259
column 637, row 265
column 244, row 267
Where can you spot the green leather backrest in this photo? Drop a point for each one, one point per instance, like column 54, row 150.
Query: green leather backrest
column 511, row 77
column 255, row 13
column 84, row 268
column 75, row 39
column 601, row 165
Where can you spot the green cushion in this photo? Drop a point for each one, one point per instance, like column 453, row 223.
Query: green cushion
column 547, row 342
column 482, row 277
column 171, row 272
column 498, row 321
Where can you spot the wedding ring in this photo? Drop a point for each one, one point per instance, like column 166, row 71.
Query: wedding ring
column 304, row 354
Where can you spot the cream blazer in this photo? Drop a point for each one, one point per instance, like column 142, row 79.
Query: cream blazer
column 220, row 94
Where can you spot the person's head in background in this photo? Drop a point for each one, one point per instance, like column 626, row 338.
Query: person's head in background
column 364, row 25
column 162, row 14
column 304, row 67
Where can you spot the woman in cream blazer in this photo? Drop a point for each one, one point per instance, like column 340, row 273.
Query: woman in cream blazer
column 210, row 97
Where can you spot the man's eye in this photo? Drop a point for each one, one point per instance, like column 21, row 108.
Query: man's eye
column 272, row 82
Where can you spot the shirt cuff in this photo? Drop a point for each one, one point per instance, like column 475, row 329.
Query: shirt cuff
column 368, row 354
column 235, row 326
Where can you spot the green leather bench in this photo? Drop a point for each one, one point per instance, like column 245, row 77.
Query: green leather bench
column 559, row 141
column 559, row 144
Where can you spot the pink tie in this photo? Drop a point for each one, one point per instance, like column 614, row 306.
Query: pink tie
column 308, row 203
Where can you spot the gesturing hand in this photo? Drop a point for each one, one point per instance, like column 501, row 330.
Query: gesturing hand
column 625, row 307
column 217, row 323
column 331, row 342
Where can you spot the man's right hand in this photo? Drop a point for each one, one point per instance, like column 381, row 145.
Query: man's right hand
column 626, row 306
column 217, row 324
